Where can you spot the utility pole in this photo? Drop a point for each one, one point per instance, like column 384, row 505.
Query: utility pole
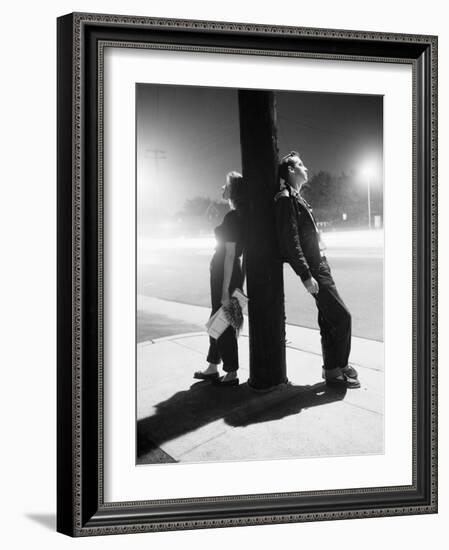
column 369, row 202
column 264, row 271
column 156, row 155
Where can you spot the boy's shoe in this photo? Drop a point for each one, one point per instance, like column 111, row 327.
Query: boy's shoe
column 346, row 377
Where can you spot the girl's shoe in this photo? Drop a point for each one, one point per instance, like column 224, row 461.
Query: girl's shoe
column 201, row 375
column 229, row 382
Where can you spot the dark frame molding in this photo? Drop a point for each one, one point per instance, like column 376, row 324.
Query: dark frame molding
column 81, row 510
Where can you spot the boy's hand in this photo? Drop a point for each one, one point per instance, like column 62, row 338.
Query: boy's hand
column 311, row 286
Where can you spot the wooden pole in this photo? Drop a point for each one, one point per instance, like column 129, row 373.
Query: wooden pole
column 265, row 285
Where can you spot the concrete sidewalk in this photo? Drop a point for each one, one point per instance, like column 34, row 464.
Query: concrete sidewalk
column 182, row 419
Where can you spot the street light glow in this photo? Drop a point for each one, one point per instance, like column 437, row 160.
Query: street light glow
column 368, row 170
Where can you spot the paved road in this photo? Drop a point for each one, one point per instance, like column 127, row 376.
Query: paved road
column 181, row 273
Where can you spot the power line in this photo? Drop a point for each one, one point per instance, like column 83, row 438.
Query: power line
column 156, row 155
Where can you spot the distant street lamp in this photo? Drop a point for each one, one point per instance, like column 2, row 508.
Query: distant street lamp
column 367, row 173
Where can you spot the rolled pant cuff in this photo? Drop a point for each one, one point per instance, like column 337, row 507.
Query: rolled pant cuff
column 228, row 368
column 331, row 373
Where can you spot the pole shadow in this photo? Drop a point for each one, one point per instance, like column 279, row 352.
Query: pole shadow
column 204, row 402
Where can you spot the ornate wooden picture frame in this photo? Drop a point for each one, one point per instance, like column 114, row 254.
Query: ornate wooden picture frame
column 81, row 508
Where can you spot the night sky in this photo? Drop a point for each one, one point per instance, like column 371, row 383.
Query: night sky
column 188, row 139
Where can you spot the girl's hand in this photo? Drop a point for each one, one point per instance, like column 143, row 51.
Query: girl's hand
column 225, row 298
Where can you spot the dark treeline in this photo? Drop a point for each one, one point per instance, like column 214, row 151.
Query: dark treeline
column 342, row 201
column 338, row 202
column 200, row 215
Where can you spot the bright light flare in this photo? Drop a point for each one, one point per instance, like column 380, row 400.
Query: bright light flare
column 368, row 170
column 178, row 243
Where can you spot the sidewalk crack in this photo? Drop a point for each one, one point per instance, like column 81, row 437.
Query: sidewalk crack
column 204, row 442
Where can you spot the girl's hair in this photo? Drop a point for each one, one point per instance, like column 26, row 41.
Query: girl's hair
column 238, row 191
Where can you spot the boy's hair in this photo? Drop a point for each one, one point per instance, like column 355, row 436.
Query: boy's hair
column 285, row 163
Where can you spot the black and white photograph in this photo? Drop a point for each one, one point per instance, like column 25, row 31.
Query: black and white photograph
column 259, row 274
column 221, row 294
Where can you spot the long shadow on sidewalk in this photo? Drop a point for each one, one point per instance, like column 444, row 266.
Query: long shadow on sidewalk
column 240, row 406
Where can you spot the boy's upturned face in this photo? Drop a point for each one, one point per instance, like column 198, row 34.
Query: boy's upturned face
column 298, row 171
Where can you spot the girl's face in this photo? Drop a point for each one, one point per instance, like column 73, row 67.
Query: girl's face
column 226, row 194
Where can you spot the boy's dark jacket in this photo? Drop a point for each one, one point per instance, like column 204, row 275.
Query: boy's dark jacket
column 298, row 236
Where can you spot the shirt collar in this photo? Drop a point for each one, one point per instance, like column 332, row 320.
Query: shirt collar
column 293, row 192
